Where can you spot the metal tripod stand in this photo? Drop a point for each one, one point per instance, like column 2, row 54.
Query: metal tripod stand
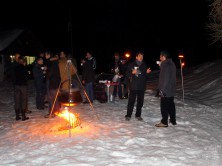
column 68, row 66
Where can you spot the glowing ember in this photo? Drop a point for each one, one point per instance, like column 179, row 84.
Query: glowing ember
column 69, row 104
column 72, row 118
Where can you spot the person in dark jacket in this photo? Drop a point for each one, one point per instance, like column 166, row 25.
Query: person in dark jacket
column 20, row 84
column 88, row 79
column 116, row 71
column 167, row 89
column 39, row 80
column 91, row 59
column 137, row 73
column 14, row 64
column 123, row 83
column 53, row 81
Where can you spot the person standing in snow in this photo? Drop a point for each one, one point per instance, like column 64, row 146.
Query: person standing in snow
column 115, row 70
column 20, row 87
column 39, row 80
column 166, row 89
column 123, row 83
column 137, row 73
column 53, row 81
column 88, row 79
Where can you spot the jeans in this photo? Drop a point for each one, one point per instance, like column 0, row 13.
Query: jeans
column 89, row 90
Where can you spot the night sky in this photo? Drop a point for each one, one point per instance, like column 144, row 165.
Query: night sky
column 106, row 26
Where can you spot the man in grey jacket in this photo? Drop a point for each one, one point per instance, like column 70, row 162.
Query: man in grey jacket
column 166, row 89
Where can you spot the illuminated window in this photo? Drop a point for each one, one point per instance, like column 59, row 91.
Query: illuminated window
column 30, row 59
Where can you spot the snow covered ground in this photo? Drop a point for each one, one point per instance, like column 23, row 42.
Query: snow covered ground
column 104, row 138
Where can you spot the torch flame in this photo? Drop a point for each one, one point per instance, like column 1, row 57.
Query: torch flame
column 127, row 55
column 181, row 56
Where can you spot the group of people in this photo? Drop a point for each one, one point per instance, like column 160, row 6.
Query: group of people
column 137, row 73
column 61, row 77
column 49, row 75
column 132, row 80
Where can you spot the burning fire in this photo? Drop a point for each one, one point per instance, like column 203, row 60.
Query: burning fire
column 72, row 118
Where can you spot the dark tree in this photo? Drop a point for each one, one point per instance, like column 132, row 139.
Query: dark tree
column 215, row 21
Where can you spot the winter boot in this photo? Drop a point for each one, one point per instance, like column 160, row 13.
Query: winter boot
column 17, row 117
column 24, row 117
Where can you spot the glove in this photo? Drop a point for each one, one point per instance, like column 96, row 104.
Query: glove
column 162, row 94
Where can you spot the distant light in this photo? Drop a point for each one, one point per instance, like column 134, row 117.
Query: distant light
column 183, row 64
column 127, row 55
column 12, row 58
column 181, row 56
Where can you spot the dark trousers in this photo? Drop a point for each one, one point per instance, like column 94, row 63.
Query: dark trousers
column 20, row 99
column 133, row 95
column 167, row 107
column 53, row 101
column 40, row 97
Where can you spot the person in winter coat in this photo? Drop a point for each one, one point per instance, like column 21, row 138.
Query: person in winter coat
column 20, row 83
column 14, row 64
column 88, row 79
column 166, row 89
column 115, row 70
column 53, row 81
column 40, row 84
column 137, row 73
column 123, row 83
column 66, row 70
column 92, row 60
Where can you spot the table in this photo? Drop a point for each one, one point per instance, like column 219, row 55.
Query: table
column 108, row 84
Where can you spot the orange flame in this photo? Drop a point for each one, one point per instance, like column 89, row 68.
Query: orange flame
column 69, row 104
column 127, row 55
column 181, row 56
column 73, row 119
